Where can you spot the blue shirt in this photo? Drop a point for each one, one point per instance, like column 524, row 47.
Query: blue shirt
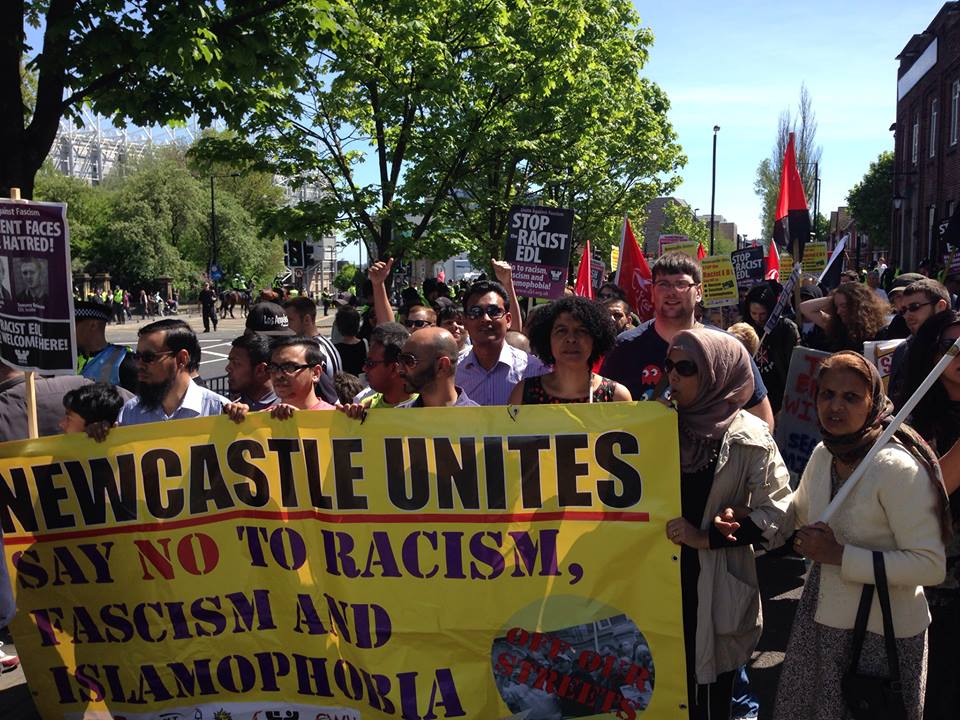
column 493, row 386
column 197, row 402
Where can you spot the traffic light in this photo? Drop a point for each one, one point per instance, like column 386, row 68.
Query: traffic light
column 293, row 253
column 308, row 260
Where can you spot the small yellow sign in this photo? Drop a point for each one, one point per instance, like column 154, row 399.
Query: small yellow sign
column 815, row 257
column 719, row 281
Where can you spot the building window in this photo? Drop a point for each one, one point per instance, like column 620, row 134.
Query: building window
column 954, row 111
column 915, row 139
column 934, row 113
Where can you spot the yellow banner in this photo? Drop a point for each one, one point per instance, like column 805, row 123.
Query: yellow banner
column 815, row 257
column 719, row 281
column 786, row 266
column 614, row 258
column 324, row 568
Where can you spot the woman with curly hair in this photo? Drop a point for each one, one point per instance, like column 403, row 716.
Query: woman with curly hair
column 570, row 334
column 849, row 316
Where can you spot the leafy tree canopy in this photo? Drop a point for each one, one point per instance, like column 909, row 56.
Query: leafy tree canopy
column 871, row 200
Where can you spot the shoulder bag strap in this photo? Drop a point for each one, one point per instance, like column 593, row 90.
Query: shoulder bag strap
column 860, row 627
column 880, row 575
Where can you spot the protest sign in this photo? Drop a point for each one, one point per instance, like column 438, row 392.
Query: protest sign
column 614, row 258
column 678, row 243
column 538, row 249
column 324, row 566
column 719, row 281
column 36, row 288
column 796, row 432
column 815, row 257
column 598, row 273
column 786, row 265
column 880, row 353
column 748, row 265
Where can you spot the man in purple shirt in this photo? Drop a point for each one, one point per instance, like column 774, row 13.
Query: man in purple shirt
column 492, row 367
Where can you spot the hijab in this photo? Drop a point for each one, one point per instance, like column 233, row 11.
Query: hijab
column 725, row 385
column 852, row 447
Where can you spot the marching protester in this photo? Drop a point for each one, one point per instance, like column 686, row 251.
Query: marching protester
column 919, row 302
column 937, row 418
column 899, row 508
column 94, row 403
column 247, row 374
column 492, row 367
column 734, row 493
column 636, row 360
column 428, row 366
column 450, row 318
column 849, row 316
column 98, row 359
column 776, row 348
column 387, row 388
column 570, row 335
column 301, row 312
column 296, row 364
column 352, row 349
column 619, row 312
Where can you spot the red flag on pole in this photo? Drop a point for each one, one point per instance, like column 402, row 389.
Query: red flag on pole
column 793, row 218
column 633, row 274
column 584, row 286
column 701, row 253
column 772, row 271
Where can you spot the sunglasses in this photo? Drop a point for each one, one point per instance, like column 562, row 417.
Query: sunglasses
column 684, row 368
column 913, row 307
column 368, row 363
column 493, row 312
column 408, row 359
column 288, row 369
column 418, row 323
column 147, row 357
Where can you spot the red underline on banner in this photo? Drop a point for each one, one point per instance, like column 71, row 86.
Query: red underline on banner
column 346, row 519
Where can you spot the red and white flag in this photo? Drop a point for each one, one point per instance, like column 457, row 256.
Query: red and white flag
column 584, row 286
column 633, row 274
column 772, row 271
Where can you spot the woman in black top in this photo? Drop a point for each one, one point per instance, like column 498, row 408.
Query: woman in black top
column 353, row 350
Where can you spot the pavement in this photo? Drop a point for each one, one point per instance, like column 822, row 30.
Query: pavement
column 780, row 577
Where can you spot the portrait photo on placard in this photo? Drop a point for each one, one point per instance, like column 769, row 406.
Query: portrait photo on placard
column 30, row 281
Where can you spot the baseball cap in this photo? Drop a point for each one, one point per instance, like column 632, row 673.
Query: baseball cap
column 268, row 318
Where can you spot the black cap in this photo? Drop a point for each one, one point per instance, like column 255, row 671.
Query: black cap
column 267, row 318
column 86, row 310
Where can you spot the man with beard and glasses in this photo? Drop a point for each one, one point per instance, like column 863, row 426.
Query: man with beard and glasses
column 428, row 365
column 165, row 389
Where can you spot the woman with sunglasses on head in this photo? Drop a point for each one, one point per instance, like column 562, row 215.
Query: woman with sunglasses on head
column 734, row 493
column 570, row 334
column 898, row 508
column 849, row 316
column 937, row 418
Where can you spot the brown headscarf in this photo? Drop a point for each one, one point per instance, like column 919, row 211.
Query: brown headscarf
column 725, row 386
column 851, row 448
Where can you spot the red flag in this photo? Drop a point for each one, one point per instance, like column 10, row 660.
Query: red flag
column 584, row 286
column 633, row 274
column 441, row 276
column 772, row 271
column 701, row 253
column 793, row 218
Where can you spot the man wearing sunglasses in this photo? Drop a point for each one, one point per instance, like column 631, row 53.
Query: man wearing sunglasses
column 921, row 300
column 428, row 365
column 165, row 390
column 637, row 360
column 492, row 367
column 382, row 367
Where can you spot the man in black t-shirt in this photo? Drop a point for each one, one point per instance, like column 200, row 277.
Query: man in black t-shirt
column 636, row 361
column 208, row 306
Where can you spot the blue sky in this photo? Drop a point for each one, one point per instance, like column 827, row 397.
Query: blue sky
column 739, row 67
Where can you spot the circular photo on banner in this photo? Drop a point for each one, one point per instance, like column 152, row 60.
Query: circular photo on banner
column 602, row 667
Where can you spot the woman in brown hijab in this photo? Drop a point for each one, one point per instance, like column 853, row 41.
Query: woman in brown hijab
column 898, row 507
column 734, row 493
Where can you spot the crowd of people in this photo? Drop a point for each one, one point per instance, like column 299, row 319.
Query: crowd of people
column 725, row 378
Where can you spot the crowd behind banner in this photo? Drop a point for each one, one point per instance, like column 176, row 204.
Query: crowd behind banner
column 775, row 406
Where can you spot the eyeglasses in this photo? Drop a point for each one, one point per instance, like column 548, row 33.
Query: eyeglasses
column 148, row 358
column 368, row 363
column 408, row 359
column 288, row 369
column 684, row 368
column 418, row 323
column 679, row 285
column 476, row 312
column 913, row 307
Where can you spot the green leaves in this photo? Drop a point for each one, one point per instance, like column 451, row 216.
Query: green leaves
column 871, row 200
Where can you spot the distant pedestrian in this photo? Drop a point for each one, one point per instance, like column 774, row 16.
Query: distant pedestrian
column 208, row 307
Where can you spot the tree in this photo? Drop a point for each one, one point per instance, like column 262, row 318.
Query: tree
column 345, row 277
column 87, row 208
column 871, row 200
column 144, row 62
column 681, row 221
column 767, row 184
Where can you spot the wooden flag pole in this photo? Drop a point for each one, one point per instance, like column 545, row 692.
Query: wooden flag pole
column 29, row 376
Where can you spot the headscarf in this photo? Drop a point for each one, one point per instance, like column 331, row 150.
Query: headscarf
column 852, row 447
column 725, row 386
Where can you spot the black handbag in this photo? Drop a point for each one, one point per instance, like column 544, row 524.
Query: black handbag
column 870, row 697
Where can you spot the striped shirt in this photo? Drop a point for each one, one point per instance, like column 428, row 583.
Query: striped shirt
column 334, row 364
column 493, row 386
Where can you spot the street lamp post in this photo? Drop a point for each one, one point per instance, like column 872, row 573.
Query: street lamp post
column 214, row 249
column 713, row 185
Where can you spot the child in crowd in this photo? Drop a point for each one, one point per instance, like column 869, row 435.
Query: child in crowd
column 94, row 403
column 747, row 335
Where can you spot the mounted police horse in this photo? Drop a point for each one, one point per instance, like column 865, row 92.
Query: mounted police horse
column 229, row 299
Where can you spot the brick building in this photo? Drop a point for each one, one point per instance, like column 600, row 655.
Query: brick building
column 926, row 178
